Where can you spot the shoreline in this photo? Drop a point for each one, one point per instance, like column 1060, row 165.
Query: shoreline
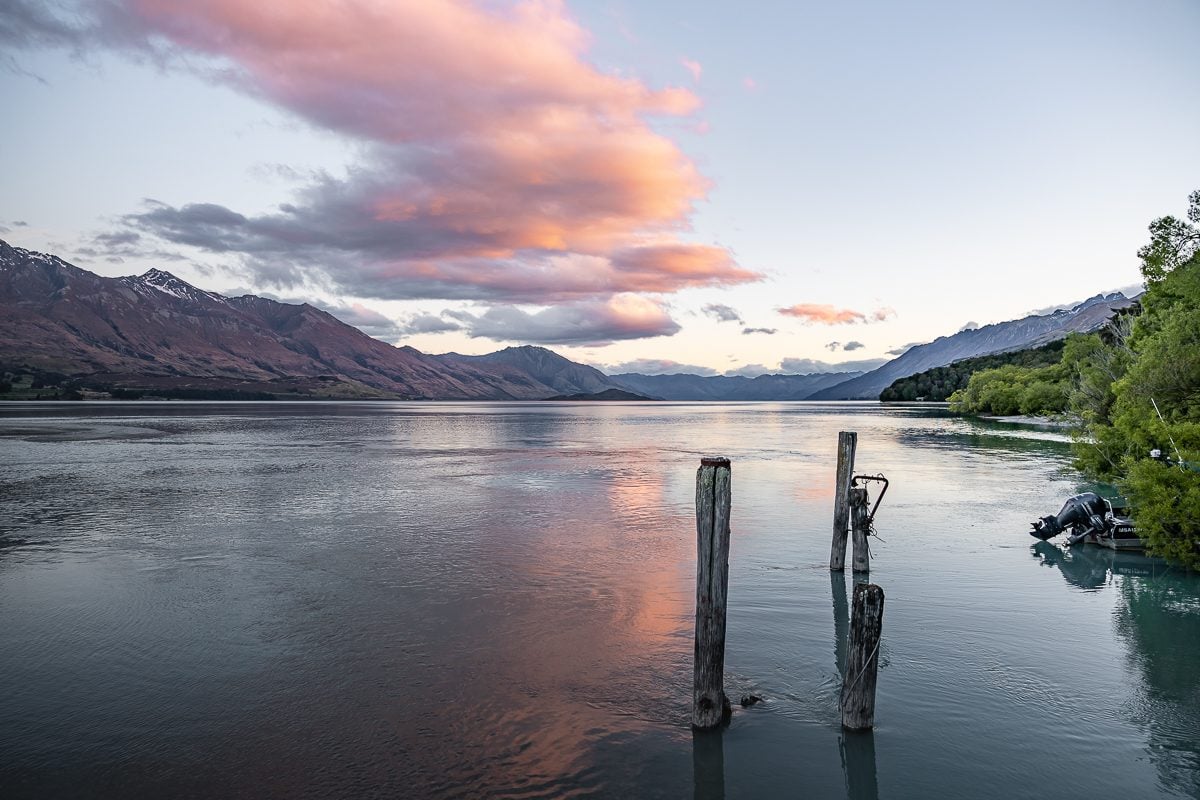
column 1033, row 421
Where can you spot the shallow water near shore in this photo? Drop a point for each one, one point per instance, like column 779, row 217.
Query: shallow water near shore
column 496, row 600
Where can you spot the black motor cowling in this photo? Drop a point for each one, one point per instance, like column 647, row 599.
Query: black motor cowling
column 1082, row 510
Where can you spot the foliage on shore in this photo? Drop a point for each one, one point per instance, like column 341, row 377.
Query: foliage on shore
column 939, row 383
column 1134, row 387
column 1015, row 389
column 1140, row 390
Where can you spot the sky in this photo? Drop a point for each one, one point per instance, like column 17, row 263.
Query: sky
column 668, row 186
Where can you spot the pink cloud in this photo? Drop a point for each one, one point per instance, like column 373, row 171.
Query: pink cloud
column 416, row 69
column 499, row 162
column 750, row 84
column 654, row 268
column 823, row 314
column 693, row 67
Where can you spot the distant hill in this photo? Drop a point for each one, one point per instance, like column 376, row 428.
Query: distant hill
column 606, row 395
column 1020, row 334
column 546, row 367
column 937, row 384
column 730, row 387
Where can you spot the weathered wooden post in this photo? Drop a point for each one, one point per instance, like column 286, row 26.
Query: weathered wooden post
column 861, row 525
column 862, row 662
column 710, row 706
column 847, row 443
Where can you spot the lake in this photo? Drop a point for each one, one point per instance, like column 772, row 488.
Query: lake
column 496, row 600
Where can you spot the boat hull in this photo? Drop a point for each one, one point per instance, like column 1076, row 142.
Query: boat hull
column 1116, row 543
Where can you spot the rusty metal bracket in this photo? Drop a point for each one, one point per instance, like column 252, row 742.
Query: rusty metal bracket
column 855, row 479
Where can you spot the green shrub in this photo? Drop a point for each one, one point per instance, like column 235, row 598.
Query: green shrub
column 1013, row 389
column 1166, row 509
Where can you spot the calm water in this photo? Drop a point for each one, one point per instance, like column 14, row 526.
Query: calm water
column 462, row 600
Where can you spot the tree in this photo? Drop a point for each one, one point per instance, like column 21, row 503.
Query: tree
column 1140, row 390
column 1097, row 362
column 1173, row 243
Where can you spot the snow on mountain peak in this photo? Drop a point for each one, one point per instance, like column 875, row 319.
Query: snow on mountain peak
column 161, row 279
column 11, row 256
column 167, row 283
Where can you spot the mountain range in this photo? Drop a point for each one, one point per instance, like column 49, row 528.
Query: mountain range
column 1020, row 334
column 157, row 334
column 731, row 387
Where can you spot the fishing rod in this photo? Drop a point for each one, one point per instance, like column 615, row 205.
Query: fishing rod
column 1170, row 438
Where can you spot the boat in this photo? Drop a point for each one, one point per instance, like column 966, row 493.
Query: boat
column 1089, row 518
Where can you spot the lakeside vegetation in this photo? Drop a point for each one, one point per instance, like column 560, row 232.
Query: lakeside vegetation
column 1016, row 388
column 1133, row 387
column 939, row 383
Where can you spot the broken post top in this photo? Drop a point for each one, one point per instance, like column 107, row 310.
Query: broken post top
column 714, row 461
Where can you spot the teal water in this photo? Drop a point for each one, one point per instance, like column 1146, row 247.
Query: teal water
column 495, row 600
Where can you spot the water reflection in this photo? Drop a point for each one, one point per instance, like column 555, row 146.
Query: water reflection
column 857, row 749
column 1090, row 568
column 708, row 765
column 589, row 575
column 1160, row 621
column 448, row 600
column 663, row 545
column 841, row 619
column 1158, row 618
column 957, row 438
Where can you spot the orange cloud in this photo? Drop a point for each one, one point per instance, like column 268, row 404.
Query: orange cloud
column 655, row 268
column 495, row 152
column 823, row 314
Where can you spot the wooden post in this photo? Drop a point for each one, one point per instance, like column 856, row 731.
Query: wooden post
column 710, row 706
column 862, row 662
column 847, row 443
column 861, row 526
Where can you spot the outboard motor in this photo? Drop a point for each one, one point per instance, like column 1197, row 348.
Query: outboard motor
column 1083, row 512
